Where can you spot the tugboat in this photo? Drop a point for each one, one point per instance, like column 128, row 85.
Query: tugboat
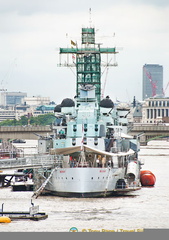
column 96, row 157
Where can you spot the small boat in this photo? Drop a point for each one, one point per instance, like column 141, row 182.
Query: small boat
column 24, row 182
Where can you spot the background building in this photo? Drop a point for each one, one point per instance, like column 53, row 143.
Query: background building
column 11, row 98
column 10, row 114
column 14, row 105
column 155, row 110
column 152, row 80
column 15, row 98
column 36, row 100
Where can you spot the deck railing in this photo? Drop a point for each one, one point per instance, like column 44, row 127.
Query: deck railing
column 30, row 162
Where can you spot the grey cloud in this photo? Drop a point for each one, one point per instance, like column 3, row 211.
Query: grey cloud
column 29, row 7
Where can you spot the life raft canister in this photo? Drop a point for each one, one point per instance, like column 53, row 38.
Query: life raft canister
column 147, row 178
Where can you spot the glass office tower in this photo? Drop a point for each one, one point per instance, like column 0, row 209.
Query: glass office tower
column 152, row 81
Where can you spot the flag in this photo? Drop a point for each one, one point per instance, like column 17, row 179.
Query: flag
column 73, row 43
column 73, row 58
column 82, row 138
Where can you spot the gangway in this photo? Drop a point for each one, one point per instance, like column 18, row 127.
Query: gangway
column 40, row 190
column 36, row 161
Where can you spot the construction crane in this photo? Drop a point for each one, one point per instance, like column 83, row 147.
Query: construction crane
column 153, row 84
column 164, row 90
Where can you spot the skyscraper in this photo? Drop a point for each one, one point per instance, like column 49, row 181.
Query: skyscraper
column 152, row 80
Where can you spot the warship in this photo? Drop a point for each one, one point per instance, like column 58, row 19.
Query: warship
column 95, row 155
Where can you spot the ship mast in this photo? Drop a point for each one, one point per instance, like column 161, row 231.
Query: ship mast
column 87, row 60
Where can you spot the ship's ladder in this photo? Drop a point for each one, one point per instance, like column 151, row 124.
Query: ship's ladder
column 107, row 183
column 40, row 190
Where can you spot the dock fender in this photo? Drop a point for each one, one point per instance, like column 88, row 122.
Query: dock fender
column 142, row 172
column 5, row 219
column 147, row 178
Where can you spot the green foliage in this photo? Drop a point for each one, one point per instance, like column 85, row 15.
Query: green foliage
column 45, row 119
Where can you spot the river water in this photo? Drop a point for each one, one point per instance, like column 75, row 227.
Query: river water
column 144, row 209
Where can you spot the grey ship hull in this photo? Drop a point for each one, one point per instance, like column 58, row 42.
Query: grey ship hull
column 87, row 182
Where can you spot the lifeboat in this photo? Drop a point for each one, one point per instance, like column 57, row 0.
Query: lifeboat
column 147, row 178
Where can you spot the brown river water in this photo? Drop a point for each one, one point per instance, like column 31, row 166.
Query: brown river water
column 144, row 209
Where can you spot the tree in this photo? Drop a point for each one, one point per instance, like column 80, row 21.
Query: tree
column 45, row 119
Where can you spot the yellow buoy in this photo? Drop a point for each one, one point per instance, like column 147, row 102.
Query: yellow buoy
column 5, row 219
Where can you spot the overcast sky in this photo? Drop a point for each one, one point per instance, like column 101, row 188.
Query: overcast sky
column 31, row 32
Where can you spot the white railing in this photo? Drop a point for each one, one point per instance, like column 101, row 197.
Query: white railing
column 32, row 161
